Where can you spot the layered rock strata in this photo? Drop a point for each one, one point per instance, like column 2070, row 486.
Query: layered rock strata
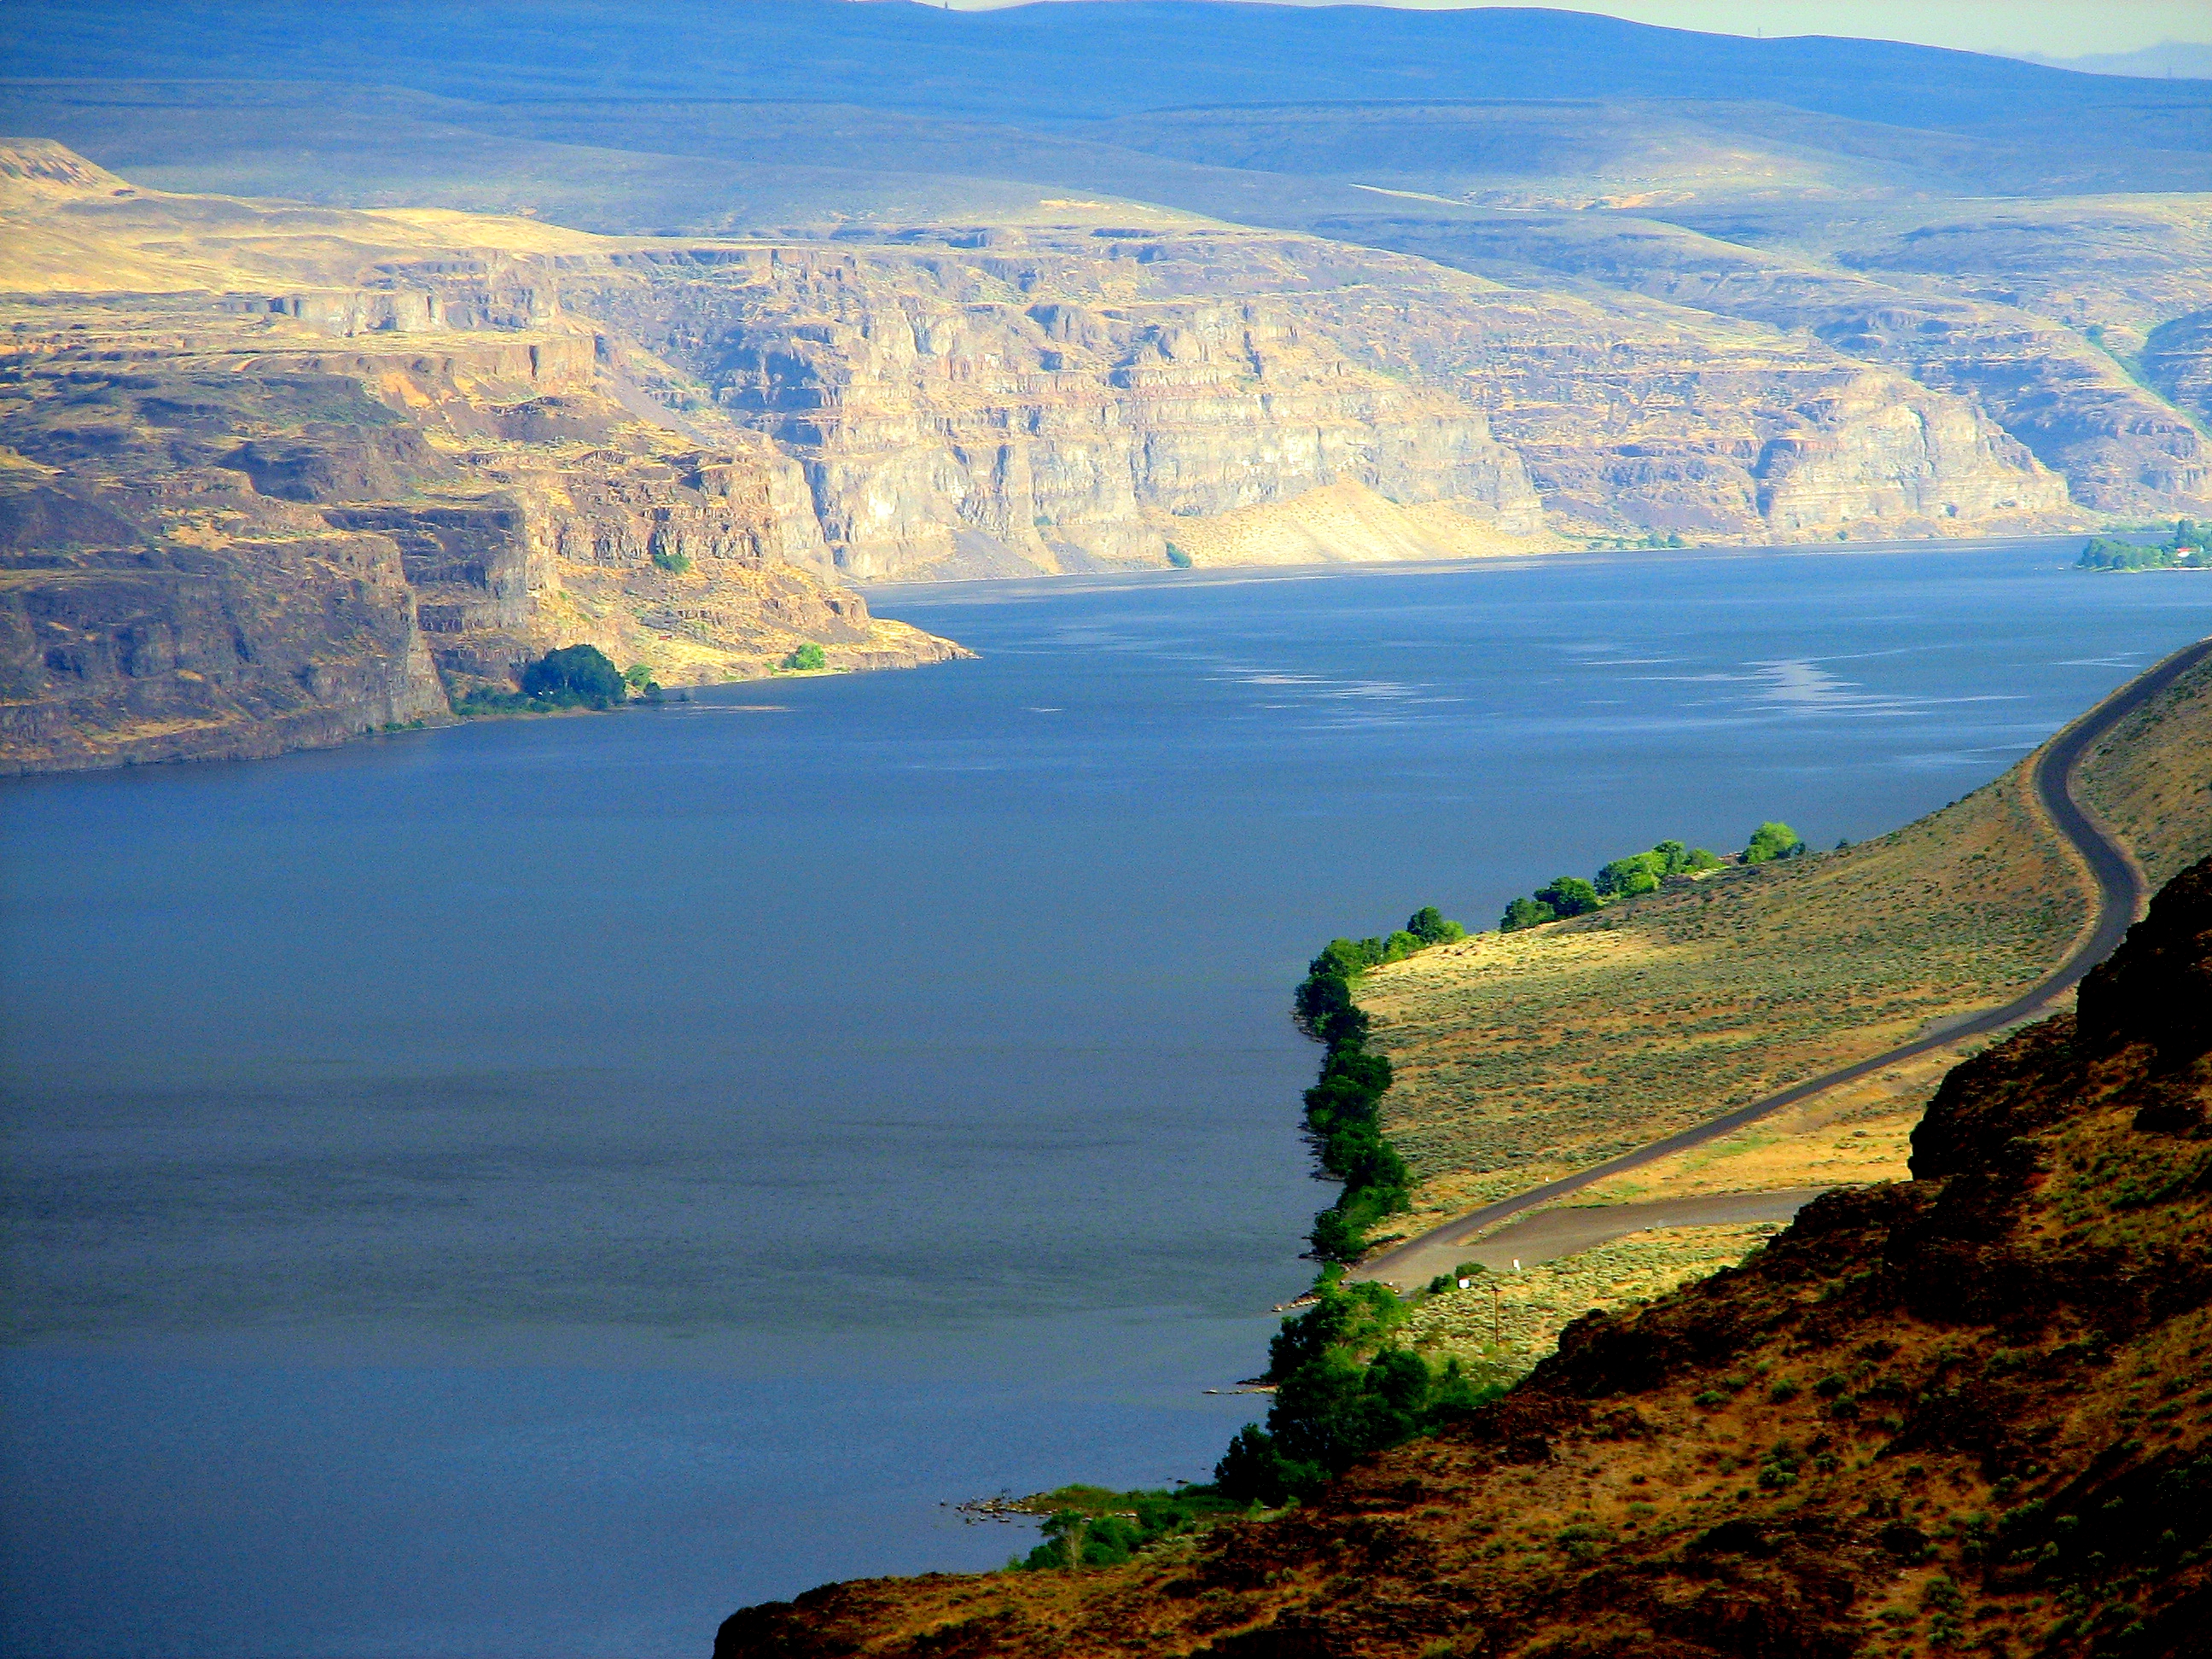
column 2050, row 388
column 1064, row 404
column 1070, row 399
column 233, row 537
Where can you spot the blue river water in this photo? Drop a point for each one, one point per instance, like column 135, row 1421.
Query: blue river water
column 528, row 1189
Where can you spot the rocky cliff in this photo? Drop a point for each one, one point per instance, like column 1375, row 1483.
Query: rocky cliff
column 1063, row 403
column 2013, row 346
column 675, row 447
column 237, row 523
column 1973, row 1411
column 1068, row 400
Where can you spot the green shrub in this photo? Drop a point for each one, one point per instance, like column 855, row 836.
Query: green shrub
column 1774, row 841
column 576, row 676
column 807, row 658
column 637, row 677
column 676, row 564
column 1569, row 895
column 1333, row 1409
column 1526, row 913
column 1430, row 926
column 1177, row 557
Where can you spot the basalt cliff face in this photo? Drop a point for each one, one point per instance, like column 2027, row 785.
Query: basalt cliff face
column 2012, row 343
column 1970, row 1411
column 1064, row 402
column 233, row 524
column 1047, row 400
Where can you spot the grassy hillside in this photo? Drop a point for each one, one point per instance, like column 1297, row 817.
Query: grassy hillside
column 1523, row 1056
column 1969, row 1412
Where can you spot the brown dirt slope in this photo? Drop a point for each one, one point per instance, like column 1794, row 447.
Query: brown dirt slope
column 1974, row 1410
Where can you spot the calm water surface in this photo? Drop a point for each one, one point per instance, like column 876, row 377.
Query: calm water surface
column 529, row 1189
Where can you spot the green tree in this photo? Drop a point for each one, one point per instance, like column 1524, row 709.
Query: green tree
column 807, row 658
column 1526, row 913
column 637, row 677
column 1569, row 895
column 1253, row 1471
column 1177, row 557
column 1401, row 944
column 1774, row 841
column 574, row 675
column 1429, row 924
column 1640, row 872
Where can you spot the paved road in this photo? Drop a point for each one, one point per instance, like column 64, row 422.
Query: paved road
column 1569, row 1230
column 2120, row 900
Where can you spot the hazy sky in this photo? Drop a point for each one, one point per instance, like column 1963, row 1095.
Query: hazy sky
column 2056, row 29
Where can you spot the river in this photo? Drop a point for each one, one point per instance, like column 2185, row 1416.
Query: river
column 525, row 1189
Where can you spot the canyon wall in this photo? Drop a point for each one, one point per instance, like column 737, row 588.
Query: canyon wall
column 275, row 474
column 223, row 534
column 2020, row 352
column 1064, row 402
column 1059, row 407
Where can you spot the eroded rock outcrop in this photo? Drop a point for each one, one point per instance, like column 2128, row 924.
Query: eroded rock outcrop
column 225, row 538
column 1064, row 403
column 2007, row 382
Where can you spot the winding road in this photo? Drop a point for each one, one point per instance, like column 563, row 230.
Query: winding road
column 2120, row 895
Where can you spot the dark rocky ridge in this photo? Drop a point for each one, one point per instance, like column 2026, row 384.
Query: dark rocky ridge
column 1973, row 1410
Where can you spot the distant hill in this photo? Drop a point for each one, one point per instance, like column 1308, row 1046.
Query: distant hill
column 1073, row 62
column 2183, row 59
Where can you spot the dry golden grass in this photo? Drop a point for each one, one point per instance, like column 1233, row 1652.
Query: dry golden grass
column 1525, row 1056
column 1505, row 1322
column 69, row 226
column 1849, row 1136
column 2151, row 780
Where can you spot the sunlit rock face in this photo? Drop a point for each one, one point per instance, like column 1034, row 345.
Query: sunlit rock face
column 1070, row 399
column 1069, row 404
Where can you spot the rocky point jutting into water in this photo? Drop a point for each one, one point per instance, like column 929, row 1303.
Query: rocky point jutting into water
column 236, row 524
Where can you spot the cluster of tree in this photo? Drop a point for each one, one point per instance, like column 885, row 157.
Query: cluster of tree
column 574, row 677
column 1092, row 1527
column 1641, row 872
column 807, row 658
column 1341, row 1392
column 2184, row 550
column 1343, row 1107
column 1672, row 539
